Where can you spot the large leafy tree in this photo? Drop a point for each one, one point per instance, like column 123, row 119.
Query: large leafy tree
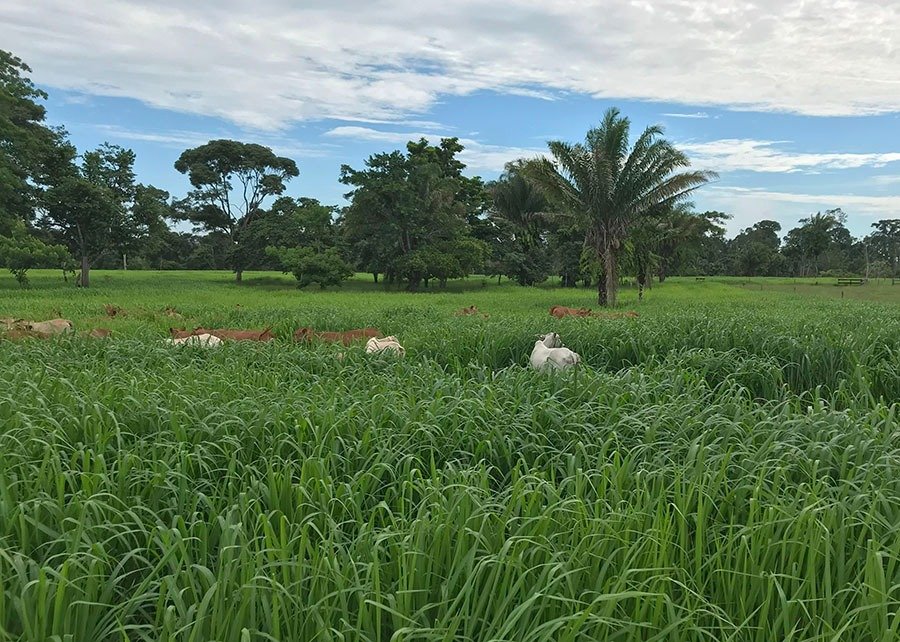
column 231, row 181
column 817, row 235
column 692, row 243
column 98, row 209
column 32, row 155
column 610, row 187
column 289, row 222
column 86, row 218
column 410, row 212
column 884, row 243
column 755, row 250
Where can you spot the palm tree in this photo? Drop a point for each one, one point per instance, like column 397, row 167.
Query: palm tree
column 523, row 206
column 609, row 187
column 521, row 203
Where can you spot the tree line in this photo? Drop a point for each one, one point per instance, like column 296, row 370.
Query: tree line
column 589, row 213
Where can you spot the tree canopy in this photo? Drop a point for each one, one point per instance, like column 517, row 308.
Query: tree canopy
column 231, row 181
column 409, row 213
column 32, row 155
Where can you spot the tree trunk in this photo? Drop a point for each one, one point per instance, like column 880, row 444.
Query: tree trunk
column 499, row 276
column 662, row 274
column 642, row 280
column 612, row 277
column 238, row 276
column 85, row 271
column 375, row 276
column 602, row 293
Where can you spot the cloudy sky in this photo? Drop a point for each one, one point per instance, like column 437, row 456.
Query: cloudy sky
column 796, row 104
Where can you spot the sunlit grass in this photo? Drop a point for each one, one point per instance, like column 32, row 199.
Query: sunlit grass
column 726, row 467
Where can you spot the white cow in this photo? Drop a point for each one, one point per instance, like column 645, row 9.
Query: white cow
column 550, row 354
column 382, row 344
column 51, row 327
column 199, row 340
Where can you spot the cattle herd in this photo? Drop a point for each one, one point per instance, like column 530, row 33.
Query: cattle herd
column 548, row 353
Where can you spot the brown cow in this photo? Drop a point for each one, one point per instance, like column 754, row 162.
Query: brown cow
column 560, row 311
column 346, row 338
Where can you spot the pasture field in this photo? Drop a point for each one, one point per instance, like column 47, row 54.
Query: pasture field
column 724, row 467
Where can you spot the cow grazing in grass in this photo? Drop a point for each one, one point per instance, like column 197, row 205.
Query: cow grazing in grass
column 242, row 335
column 469, row 312
column 384, row 344
column 346, row 338
column 50, row 328
column 549, row 353
column 224, row 334
column 560, row 311
column 203, row 340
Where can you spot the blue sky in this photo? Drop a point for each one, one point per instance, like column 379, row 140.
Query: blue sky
column 797, row 108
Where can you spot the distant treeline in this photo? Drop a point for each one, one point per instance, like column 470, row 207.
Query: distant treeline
column 587, row 213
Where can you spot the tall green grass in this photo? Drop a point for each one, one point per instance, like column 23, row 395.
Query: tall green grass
column 725, row 468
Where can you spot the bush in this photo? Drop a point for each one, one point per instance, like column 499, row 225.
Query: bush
column 21, row 251
column 308, row 266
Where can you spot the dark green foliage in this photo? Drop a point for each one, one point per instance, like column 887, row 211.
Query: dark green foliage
column 409, row 215
column 884, row 244
column 20, row 252
column 98, row 208
column 308, row 265
column 31, row 154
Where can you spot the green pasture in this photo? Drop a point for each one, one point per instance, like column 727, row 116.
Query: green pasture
column 726, row 466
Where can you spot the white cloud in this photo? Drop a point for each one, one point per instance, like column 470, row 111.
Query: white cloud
column 886, row 180
column 699, row 114
column 729, row 155
column 476, row 155
column 749, row 205
column 182, row 139
column 282, row 61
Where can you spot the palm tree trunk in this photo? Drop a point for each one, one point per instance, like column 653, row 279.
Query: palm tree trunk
column 612, row 276
column 641, row 279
